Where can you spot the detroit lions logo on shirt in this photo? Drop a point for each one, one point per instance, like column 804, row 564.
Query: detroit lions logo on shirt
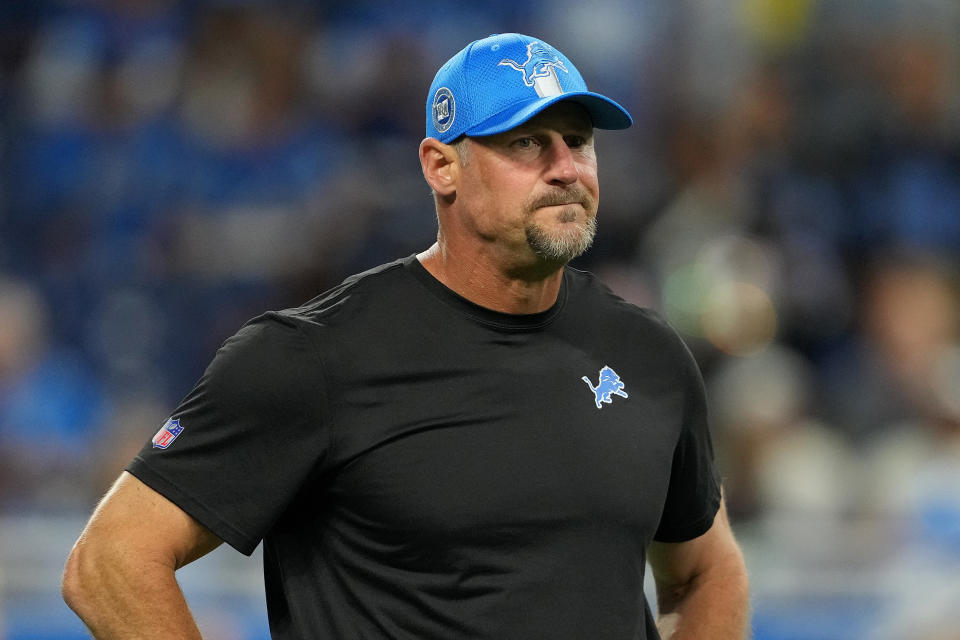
column 608, row 385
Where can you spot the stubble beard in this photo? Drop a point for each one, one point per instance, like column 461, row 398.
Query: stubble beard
column 573, row 239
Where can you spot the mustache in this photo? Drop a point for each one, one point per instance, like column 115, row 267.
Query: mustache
column 572, row 195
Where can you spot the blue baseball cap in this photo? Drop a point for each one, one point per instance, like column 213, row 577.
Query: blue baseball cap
column 497, row 83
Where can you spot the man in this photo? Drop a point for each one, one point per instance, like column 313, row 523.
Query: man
column 474, row 442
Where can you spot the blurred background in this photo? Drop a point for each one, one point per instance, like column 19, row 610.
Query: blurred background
column 789, row 199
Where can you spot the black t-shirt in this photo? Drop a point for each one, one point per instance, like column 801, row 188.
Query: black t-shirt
column 418, row 466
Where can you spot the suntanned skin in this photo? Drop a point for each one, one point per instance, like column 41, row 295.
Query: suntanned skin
column 702, row 586
column 541, row 175
column 481, row 250
column 123, row 565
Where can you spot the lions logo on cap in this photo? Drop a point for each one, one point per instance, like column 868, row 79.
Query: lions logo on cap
column 444, row 109
column 539, row 69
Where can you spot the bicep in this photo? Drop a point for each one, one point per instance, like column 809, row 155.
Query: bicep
column 135, row 519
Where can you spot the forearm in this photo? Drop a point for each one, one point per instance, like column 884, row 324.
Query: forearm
column 713, row 605
column 118, row 598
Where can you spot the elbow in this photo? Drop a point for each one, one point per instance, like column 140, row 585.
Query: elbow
column 71, row 584
column 78, row 580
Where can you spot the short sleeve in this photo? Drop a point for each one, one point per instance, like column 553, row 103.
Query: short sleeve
column 248, row 435
column 693, row 495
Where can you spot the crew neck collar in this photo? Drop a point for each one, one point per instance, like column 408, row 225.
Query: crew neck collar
column 483, row 315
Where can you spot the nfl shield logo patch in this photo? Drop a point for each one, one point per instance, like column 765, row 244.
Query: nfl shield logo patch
column 167, row 434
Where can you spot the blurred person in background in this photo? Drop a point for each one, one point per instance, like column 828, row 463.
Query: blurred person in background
column 783, row 461
column 902, row 386
column 422, row 449
column 898, row 387
column 50, row 409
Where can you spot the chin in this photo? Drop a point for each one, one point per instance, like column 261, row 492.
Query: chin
column 564, row 244
column 573, row 213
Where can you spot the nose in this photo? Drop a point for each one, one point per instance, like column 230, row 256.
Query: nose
column 562, row 168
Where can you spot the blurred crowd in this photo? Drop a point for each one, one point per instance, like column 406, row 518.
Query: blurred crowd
column 789, row 199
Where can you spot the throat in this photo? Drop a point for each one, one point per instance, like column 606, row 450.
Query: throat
column 518, row 289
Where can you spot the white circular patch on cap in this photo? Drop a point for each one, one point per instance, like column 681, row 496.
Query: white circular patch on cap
column 444, row 109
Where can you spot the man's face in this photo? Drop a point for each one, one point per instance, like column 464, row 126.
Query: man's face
column 533, row 190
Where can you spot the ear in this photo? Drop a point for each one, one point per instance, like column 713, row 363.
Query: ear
column 441, row 166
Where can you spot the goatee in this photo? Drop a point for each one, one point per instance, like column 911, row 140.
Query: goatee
column 564, row 245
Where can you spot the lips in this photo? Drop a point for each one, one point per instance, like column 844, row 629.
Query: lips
column 561, row 198
column 556, row 200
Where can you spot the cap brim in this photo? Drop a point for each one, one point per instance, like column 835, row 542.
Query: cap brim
column 604, row 113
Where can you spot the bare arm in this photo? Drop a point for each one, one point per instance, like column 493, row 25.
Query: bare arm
column 121, row 569
column 702, row 589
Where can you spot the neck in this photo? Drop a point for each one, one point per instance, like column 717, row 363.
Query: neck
column 488, row 282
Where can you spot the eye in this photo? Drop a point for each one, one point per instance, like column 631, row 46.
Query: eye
column 575, row 142
column 526, row 142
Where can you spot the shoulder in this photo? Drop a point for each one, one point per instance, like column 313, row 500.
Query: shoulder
column 279, row 339
column 358, row 314
column 599, row 312
column 590, row 295
column 369, row 290
column 265, row 354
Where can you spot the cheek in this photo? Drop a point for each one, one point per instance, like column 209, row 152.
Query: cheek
column 588, row 176
column 494, row 203
column 504, row 192
column 595, row 192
